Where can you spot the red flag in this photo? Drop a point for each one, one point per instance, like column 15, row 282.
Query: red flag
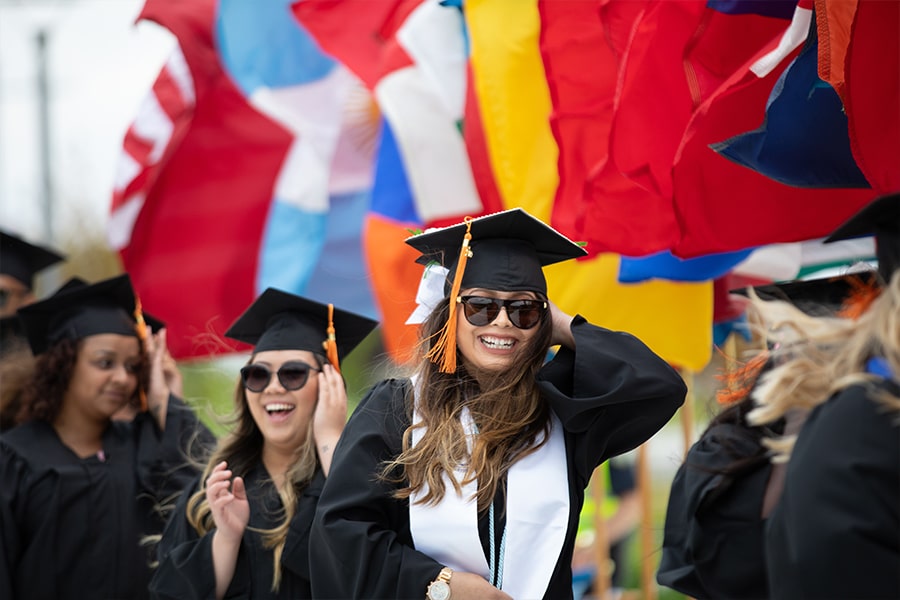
column 722, row 206
column 359, row 33
column 172, row 197
column 679, row 54
column 581, row 77
column 873, row 93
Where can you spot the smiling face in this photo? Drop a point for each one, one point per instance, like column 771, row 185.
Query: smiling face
column 283, row 415
column 105, row 376
column 496, row 345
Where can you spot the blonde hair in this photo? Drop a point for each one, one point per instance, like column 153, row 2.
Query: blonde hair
column 513, row 420
column 820, row 356
column 242, row 449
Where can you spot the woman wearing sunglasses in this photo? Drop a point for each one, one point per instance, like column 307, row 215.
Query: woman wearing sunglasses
column 242, row 529
column 467, row 479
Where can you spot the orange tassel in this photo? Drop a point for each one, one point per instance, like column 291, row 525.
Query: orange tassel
column 142, row 333
column 444, row 350
column 740, row 380
column 861, row 297
column 331, row 350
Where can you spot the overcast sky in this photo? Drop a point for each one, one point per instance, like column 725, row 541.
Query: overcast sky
column 100, row 65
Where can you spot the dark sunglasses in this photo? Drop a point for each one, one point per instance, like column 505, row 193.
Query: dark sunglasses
column 292, row 375
column 522, row 313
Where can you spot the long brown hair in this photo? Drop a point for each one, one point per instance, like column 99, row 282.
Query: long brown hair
column 242, row 448
column 506, row 407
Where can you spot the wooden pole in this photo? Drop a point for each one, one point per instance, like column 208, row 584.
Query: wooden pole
column 648, row 567
column 603, row 577
column 687, row 411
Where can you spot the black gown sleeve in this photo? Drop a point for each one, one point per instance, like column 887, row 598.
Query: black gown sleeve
column 612, row 392
column 713, row 535
column 185, row 558
column 185, row 568
column 836, row 530
column 13, row 474
column 170, row 460
column 360, row 534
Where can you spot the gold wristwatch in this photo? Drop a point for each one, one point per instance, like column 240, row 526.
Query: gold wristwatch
column 439, row 589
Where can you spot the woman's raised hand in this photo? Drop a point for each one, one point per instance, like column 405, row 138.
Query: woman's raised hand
column 162, row 379
column 330, row 415
column 227, row 500
column 562, row 327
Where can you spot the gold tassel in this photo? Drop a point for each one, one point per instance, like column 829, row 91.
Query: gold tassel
column 444, row 350
column 331, row 350
column 142, row 333
column 739, row 380
column 860, row 298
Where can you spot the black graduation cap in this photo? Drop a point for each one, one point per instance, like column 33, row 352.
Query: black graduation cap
column 22, row 260
column 78, row 310
column 503, row 251
column 278, row 320
column 76, row 283
column 508, row 250
column 818, row 297
column 881, row 219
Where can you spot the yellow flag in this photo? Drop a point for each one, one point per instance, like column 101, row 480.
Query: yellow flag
column 673, row 318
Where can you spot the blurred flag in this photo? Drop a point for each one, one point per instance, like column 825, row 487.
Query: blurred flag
column 803, row 140
column 236, row 178
column 412, row 55
column 871, row 90
column 515, row 105
column 722, row 206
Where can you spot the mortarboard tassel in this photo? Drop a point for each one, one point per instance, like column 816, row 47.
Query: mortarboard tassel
column 331, row 350
column 444, row 350
column 861, row 297
column 142, row 333
column 741, row 379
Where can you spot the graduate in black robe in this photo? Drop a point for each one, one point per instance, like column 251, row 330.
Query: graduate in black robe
column 77, row 489
column 242, row 528
column 713, row 544
column 721, row 496
column 602, row 394
column 836, row 530
column 20, row 262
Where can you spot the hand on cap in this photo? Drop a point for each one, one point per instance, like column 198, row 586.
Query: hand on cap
column 165, row 378
column 562, row 327
column 331, row 414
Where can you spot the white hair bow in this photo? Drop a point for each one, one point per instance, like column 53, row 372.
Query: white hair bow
column 430, row 292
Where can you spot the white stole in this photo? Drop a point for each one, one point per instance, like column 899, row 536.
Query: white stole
column 537, row 516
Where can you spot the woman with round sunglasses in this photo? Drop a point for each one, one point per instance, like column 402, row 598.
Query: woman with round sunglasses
column 242, row 529
column 466, row 479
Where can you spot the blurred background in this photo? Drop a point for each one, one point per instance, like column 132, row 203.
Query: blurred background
column 212, row 149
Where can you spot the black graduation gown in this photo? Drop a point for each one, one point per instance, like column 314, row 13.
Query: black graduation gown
column 610, row 396
column 72, row 527
column 713, row 536
column 186, row 568
column 836, row 530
